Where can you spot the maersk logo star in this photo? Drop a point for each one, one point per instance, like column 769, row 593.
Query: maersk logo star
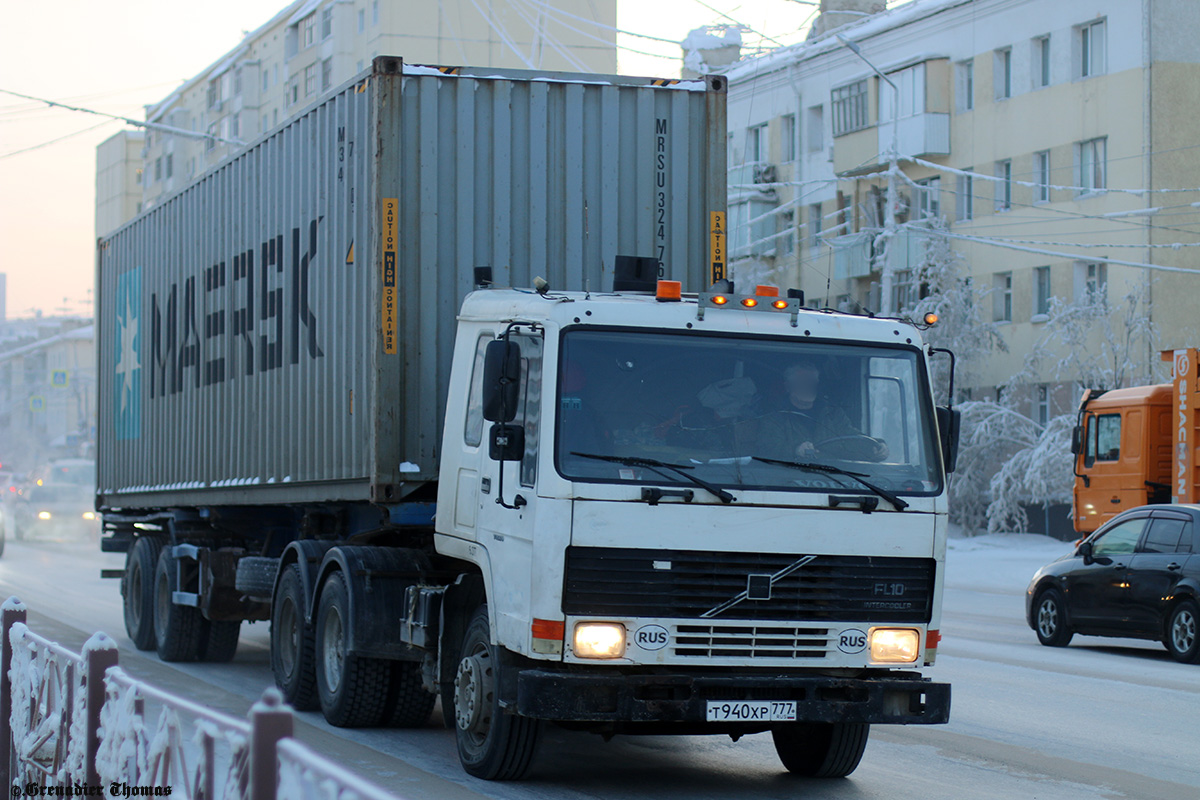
column 127, row 354
column 127, row 372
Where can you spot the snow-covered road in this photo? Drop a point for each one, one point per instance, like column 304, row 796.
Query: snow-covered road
column 1103, row 718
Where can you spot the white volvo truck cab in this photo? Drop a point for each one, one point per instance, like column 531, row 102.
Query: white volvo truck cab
column 716, row 513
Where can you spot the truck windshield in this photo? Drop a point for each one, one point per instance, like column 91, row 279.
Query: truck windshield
column 726, row 407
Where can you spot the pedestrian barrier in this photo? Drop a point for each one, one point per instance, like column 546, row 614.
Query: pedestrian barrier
column 77, row 724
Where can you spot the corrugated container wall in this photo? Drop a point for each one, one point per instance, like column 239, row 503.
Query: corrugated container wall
column 281, row 330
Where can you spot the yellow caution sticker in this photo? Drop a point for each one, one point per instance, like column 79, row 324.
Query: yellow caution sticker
column 391, row 211
column 716, row 247
column 350, row 256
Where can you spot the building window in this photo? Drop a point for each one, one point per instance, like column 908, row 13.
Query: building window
column 815, row 132
column 308, row 31
column 1003, row 73
column 235, row 126
column 137, row 177
column 326, row 23
column 964, row 79
column 1041, row 176
column 909, row 92
column 266, row 79
column 169, row 166
column 1004, row 185
column 756, row 144
column 275, row 117
column 965, row 200
column 374, row 12
column 210, row 142
column 326, row 74
column 264, row 124
column 814, row 226
column 904, row 290
column 1002, row 294
column 787, row 138
column 1041, row 62
column 1092, row 48
column 1043, row 405
column 310, row 80
column 929, row 197
column 292, row 91
column 158, row 169
column 788, row 223
column 362, row 21
column 849, row 105
column 1041, row 291
column 237, row 82
column 1092, row 158
column 1091, row 281
column 214, row 93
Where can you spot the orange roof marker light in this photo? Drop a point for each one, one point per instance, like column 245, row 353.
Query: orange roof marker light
column 669, row 292
column 930, row 319
column 764, row 290
column 765, row 298
column 719, row 299
column 749, row 302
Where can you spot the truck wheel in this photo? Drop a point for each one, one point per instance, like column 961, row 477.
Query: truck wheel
column 492, row 744
column 177, row 629
column 821, row 749
column 292, row 643
column 256, row 576
column 408, row 703
column 1183, row 632
column 219, row 642
column 352, row 689
column 1050, row 619
column 137, row 591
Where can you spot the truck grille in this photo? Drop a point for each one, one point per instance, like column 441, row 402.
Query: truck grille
column 683, row 584
column 756, row 641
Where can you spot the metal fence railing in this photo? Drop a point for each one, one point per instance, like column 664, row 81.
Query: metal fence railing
column 78, row 719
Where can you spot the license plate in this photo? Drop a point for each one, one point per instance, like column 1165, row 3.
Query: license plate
column 752, row 711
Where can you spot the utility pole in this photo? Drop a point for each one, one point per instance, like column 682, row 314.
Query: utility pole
column 887, row 299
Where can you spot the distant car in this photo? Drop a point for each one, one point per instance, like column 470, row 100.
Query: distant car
column 1138, row 576
column 53, row 509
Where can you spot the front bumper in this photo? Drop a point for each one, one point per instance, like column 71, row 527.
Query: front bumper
column 895, row 698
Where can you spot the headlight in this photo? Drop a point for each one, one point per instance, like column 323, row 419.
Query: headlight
column 599, row 640
column 43, row 515
column 89, row 515
column 895, row 645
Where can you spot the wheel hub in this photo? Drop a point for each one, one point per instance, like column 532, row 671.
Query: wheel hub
column 473, row 691
column 334, row 650
column 1047, row 617
column 1183, row 631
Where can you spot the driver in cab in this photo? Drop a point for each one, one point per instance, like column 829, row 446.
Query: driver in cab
column 808, row 425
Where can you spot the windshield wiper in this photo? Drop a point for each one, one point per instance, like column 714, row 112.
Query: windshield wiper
column 858, row 476
column 657, row 466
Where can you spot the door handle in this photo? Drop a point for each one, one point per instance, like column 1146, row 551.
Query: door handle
column 1118, row 566
column 1115, row 500
column 1174, row 566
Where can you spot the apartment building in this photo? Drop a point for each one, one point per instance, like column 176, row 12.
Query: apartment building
column 311, row 47
column 1052, row 138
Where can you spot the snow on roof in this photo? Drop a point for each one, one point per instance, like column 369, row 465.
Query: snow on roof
column 83, row 333
column 309, row 7
column 707, row 39
column 856, row 31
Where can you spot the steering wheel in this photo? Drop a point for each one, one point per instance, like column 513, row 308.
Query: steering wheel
column 869, row 445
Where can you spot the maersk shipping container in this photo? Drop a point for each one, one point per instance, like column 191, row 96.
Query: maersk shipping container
column 281, row 329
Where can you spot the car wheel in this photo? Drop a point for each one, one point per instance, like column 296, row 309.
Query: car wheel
column 137, row 590
column 492, row 743
column 292, row 643
column 1050, row 619
column 1183, row 632
column 821, row 749
column 352, row 689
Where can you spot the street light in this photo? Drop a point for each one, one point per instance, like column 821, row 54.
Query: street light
column 886, row 301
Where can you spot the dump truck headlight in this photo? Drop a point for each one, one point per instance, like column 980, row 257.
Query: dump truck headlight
column 895, row 645
column 43, row 515
column 599, row 640
column 89, row 515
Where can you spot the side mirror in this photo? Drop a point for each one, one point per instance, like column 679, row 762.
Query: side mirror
column 506, row 442
column 501, row 380
column 949, row 422
column 1076, row 440
column 1085, row 550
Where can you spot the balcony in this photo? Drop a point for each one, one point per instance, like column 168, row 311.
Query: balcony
column 920, row 135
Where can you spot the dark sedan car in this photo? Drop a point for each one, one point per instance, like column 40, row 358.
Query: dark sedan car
column 1138, row 576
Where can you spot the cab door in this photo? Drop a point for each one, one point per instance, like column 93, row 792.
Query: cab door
column 1155, row 569
column 1110, row 477
column 1098, row 593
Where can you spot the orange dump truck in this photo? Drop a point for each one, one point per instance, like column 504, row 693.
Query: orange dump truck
column 1138, row 445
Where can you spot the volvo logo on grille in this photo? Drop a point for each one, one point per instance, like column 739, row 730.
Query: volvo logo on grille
column 758, row 587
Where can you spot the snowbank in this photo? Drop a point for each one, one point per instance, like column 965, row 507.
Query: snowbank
column 1001, row 563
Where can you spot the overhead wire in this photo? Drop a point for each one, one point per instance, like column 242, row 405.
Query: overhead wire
column 56, row 141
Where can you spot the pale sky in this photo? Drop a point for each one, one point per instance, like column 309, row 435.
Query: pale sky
column 118, row 56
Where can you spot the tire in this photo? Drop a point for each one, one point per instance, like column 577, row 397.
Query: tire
column 178, row 630
column 352, row 690
column 1183, row 632
column 492, row 744
column 1050, row 619
column 408, row 704
column 292, row 643
column 821, row 749
column 137, row 590
column 1, row 538
column 220, row 640
column 256, row 576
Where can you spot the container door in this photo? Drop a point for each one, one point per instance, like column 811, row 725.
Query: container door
column 507, row 509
